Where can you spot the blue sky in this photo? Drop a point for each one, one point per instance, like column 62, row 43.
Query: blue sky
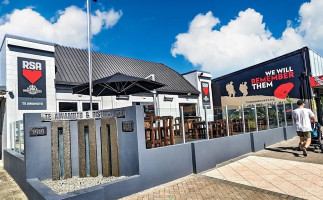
column 147, row 29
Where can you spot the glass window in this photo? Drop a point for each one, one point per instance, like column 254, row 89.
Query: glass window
column 272, row 116
column 189, row 109
column 67, row 106
column 86, row 106
column 148, row 108
column 249, row 116
column 261, row 117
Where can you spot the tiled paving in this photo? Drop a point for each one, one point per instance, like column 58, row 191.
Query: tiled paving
column 304, row 180
column 280, row 170
column 285, row 175
column 195, row 187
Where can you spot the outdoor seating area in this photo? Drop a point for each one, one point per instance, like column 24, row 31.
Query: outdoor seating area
column 167, row 130
column 159, row 131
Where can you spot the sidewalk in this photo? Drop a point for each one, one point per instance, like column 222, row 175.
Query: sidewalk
column 195, row 187
column 300, row 179
column 279, row 172
column 8, row 187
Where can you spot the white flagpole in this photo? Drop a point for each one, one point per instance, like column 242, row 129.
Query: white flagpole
column 89, row 50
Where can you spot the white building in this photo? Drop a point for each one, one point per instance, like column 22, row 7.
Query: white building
column 37, row 76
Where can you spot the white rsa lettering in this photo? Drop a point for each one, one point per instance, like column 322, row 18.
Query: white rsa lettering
column 31, row 65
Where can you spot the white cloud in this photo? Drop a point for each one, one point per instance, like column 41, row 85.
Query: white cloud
column 5, row 2
column 245, row 40
column 311, row 23
column 68, row 28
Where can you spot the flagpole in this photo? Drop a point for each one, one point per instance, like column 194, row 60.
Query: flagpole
column 89, row 50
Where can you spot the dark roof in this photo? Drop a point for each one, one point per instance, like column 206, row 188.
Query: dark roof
column 72, row 69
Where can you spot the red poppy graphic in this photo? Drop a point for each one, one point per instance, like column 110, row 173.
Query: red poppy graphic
column 32, row 76
column 282, row 91
column 206, row 91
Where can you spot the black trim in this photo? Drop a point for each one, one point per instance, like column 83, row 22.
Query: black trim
column 30, row 51
column 25, row 39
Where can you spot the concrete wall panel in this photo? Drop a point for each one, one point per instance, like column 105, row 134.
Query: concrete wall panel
column 65, row 125
column 262, row 139
column 92, row 143
column 109, row 143
column 290, row 132
column 38, row 154
column 208, row 153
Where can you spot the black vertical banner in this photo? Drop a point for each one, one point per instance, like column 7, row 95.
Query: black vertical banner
column 205, row 93
column 31, row 84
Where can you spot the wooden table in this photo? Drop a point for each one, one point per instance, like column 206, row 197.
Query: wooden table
column 200, row 127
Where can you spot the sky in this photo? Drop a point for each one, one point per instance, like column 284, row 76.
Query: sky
column 217, row 36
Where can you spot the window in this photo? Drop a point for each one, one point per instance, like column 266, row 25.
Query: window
column 67, row 106
column 86, row 106
column 148, row 108
column 189, row 109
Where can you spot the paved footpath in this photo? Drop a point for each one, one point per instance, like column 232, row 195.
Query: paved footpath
column 9, row 190
column 280, row 170
column 274, row 173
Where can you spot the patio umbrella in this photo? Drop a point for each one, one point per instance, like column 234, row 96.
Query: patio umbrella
column 118, row 84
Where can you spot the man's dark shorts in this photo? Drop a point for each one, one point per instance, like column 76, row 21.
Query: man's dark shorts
column 306, row 134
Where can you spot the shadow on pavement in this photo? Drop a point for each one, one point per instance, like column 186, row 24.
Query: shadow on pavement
column 283, row 150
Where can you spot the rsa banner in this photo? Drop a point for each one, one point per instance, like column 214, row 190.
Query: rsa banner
column 31, row 84
column 269, row 82
column 205, row 93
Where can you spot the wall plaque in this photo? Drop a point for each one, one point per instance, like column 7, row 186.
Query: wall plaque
column 96, row 114
column 37, row 131
column 127, row 126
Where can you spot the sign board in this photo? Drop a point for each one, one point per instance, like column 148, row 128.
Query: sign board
column 37, row 131
column 97, row 114
column 31, row 84
column 277, row 80
column 127, row 126
column 316, row 81
column 205, row 93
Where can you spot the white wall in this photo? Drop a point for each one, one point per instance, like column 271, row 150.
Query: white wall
column 12, row 79
column 69, row 97
column 195, row 79
column 3, row 65
column 165, row 108
column 3, row 126
column 316, row 63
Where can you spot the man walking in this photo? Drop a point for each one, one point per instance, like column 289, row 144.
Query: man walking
column 303, row 117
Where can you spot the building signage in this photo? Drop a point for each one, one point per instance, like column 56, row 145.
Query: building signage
column 31, row 84
column 205, row 93
column 97, row 114
column 316, row 81
column 37, row 131
column 279, row 80
column 127, row 126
